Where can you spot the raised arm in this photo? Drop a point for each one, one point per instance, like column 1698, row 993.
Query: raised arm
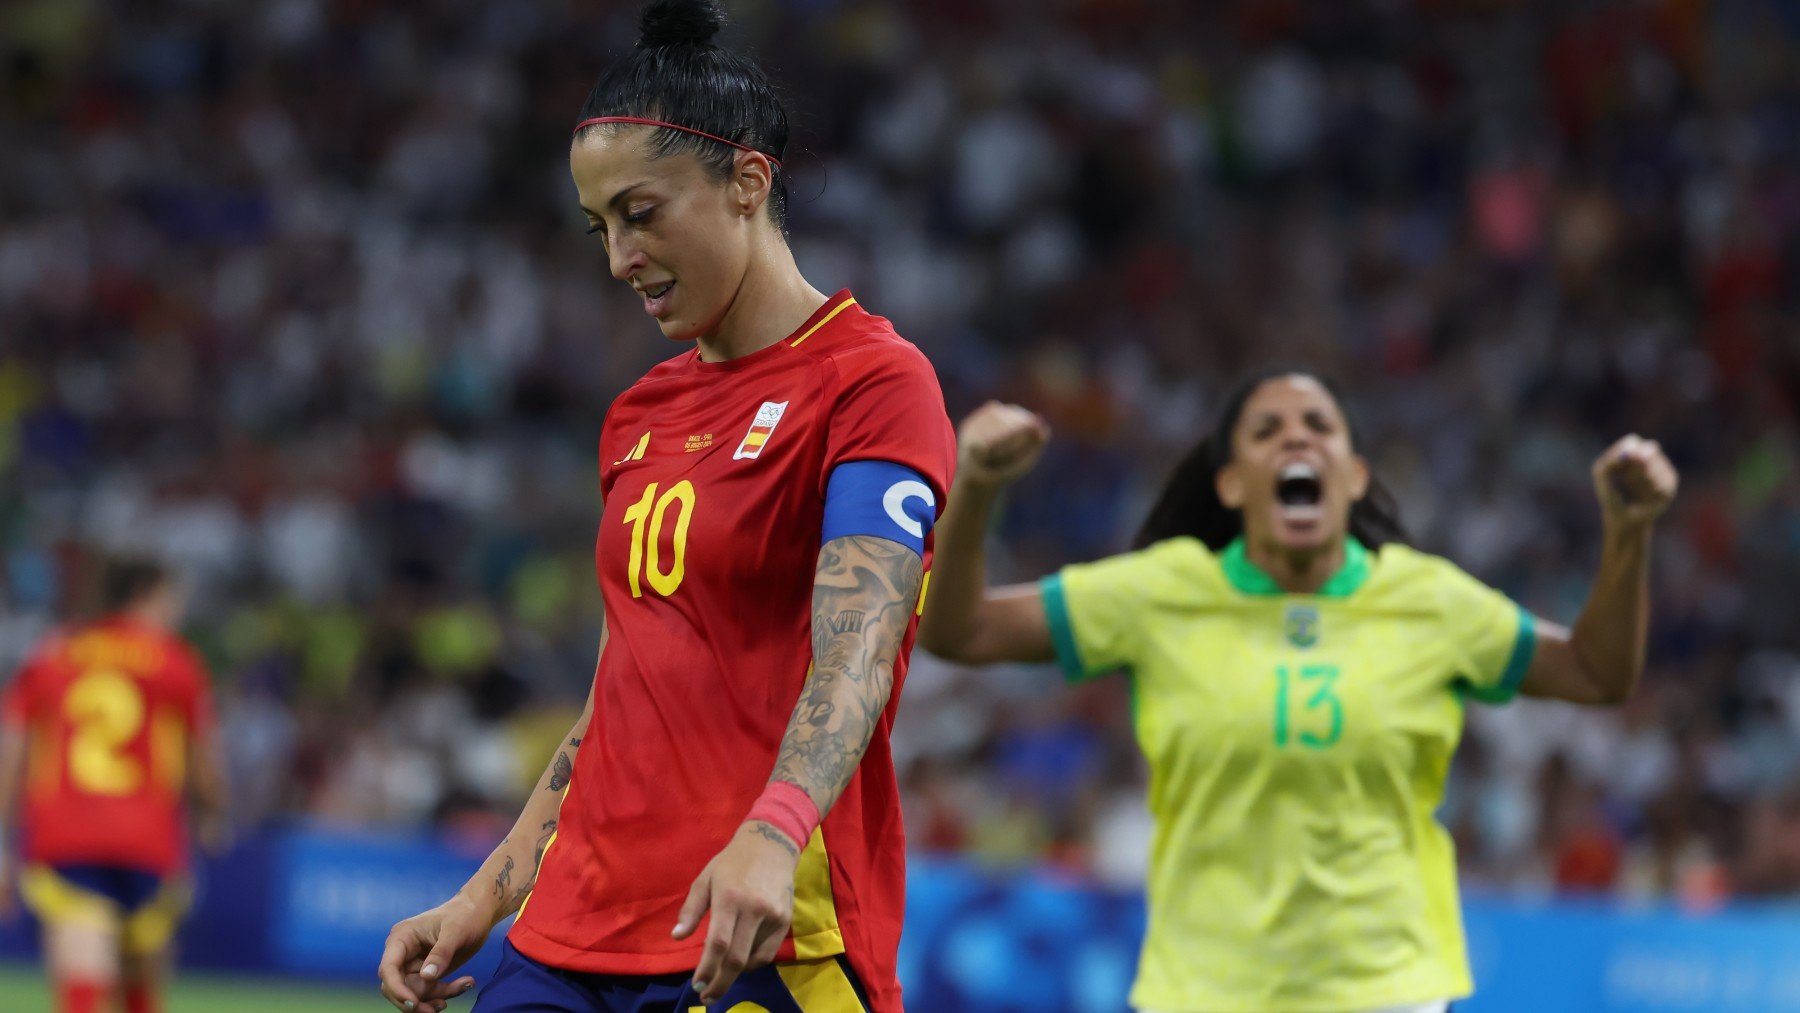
column 1600, row 660
column 965, row 620
column 425, row 948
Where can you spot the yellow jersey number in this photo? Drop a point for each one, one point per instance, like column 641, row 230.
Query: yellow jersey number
column 105, row 710
column 646, row 518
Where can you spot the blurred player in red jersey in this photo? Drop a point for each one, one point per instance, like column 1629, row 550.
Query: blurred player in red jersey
column 768, row 500
column 105, row 731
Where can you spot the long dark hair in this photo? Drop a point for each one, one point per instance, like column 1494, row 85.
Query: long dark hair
column 677, row 75
column 1189, row 502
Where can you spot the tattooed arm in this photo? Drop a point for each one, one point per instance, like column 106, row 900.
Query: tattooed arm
column 424, row 948
column 863, row 597
column 508, row 875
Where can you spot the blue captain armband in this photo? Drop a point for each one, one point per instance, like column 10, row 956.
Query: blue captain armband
column 879, row 498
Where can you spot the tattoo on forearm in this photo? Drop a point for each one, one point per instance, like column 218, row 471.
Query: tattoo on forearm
column 503, row 881
column 576, row 742
column 863, row 599
column 761, row 829
column 560, row 772
column 547, row 831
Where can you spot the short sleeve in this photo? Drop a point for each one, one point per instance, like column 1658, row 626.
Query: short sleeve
column 1495, row 638
column 887, row 406
column 615, row 449
column 1094, row 611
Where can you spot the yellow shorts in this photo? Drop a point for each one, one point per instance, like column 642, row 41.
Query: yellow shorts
column 143, row 909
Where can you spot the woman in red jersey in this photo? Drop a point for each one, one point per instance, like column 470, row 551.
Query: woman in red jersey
column 769, row 495
column 106, row 735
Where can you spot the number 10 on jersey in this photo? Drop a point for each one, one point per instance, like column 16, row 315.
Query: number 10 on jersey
column 646, row 518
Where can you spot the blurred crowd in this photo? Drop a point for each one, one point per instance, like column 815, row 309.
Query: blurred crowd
column 296, row 294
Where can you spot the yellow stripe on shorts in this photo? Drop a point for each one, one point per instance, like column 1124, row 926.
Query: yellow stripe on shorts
column 820, row 986
column 56, row 901
column 146, row 931
column 151, row 928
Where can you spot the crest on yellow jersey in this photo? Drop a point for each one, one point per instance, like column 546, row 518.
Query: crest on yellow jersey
column 1303, row 625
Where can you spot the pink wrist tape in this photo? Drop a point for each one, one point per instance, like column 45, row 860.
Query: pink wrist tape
column 789, row 809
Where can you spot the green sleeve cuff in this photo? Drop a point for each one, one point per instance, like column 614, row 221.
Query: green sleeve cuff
column 1519, row 663
column 1062, row 633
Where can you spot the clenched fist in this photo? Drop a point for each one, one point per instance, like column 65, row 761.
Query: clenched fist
column 1635, row 481
column 998, row 443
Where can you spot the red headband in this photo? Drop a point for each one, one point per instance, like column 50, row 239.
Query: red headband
column 584, row 124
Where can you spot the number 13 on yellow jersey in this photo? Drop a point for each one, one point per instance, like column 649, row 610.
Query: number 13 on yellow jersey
column 1319, row 709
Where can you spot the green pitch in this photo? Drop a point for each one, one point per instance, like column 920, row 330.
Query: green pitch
column 22, row 990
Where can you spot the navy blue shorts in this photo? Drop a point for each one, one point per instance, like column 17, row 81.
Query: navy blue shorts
column 146, row 907
column 522, row 985
column 131, row 889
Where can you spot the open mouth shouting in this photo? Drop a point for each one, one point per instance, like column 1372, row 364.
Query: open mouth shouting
column 1300, row 494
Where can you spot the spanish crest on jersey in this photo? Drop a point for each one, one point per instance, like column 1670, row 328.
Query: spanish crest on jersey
column 761, row 428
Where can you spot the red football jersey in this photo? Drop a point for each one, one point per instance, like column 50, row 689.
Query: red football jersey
column 110, row 710
column 713, row 476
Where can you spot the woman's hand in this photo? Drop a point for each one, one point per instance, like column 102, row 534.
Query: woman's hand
column 422, row 950
column 998, row 443
column 749, row 891
column 1635, row 482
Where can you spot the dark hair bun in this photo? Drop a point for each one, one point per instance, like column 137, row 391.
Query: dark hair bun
column 679, row 23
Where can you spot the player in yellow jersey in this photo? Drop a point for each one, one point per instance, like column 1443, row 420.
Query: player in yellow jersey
column 1299, row 676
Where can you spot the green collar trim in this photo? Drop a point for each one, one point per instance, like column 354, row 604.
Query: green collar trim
column 1249, row 578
